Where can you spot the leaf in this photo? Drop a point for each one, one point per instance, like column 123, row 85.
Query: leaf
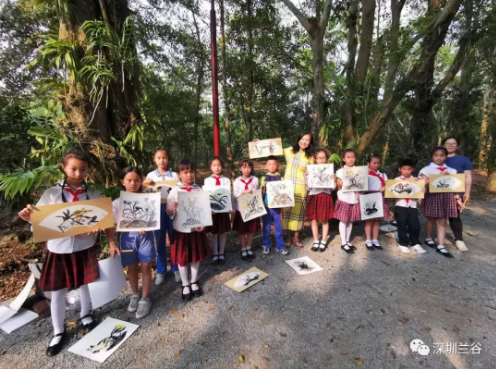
column 404, row 320
column 204, row 361
column 177, row 353
column 181, row 316
column 166, row 342
column 283, row 334
column 358, row 361
column 329, row 358
column 266, row 346
column 241, row 358
column 173, row 311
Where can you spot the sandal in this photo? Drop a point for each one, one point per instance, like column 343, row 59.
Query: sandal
column 444, row 252
column 297, row 244
column 198, row 292
column 315, row 246
column 322, row 246
column 186, row 296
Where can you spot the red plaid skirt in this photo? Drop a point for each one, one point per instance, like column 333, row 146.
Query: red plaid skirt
column 189, row 248
column 347, row 212
column 320, row 207
column 251, row 226
column 221, row 224
column 69, row 270
column 439, row 205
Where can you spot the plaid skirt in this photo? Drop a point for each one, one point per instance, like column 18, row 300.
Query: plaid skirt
column 189, row 248
column 320, row 207
column 439, row 205
column 347, row 212
column 251, row 226
column 221, row 224
column 69, row 271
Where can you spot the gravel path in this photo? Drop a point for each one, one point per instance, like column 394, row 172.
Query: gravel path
column 362, row 310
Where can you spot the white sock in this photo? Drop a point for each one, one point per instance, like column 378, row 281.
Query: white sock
column 222, row 243
column 215, row 245
column 248, row 250
column 57, row 308
column 84, row 295
column 428, row 239
column 243, row 249
column 183, row 272
column 368, row 241
column 342, row 232
column 195, row 268
column 349, row 228
column 375, row 241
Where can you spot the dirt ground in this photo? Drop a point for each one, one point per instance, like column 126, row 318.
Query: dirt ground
column 361, row 310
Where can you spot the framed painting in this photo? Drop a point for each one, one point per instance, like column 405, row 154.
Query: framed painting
column 280, row 194
column 320, row 176
column 371, row 206
column 71, row 218
column 220, row 198
column 194, row 209
column 263, row 148
column 251, row 205
column 404, row 189
column 246, row 280
column 139, row 212
column 355, row 179
column 164, row 187
column 439, row 183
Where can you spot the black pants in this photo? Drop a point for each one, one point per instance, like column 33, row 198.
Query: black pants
column 456, row 226
column 408, row 223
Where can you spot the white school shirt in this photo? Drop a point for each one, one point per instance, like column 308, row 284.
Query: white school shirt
column 411, row 203
column 375, row 183
column 348, row 197
column 210, row 181
column 174, row 197
column 155, row 176
column 433, row 169
column 68, row 245
column 239, row 187
column 316, row 191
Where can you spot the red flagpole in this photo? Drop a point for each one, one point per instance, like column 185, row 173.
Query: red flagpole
column 215, row 86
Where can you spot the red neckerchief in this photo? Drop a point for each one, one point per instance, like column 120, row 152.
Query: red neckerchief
column 407, row 200
column 217, row 180
column 442, row 169
column 187, row 188
column 74, row 194
column 247, row 183
column 372, row 173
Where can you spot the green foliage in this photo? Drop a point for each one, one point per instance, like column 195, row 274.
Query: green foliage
column 22, row 182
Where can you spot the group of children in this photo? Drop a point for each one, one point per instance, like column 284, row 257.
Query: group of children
column 71, row 262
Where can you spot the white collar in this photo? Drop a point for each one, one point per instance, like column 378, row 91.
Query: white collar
column 438, row 166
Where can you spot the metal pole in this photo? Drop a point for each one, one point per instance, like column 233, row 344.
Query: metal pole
column 215, row 86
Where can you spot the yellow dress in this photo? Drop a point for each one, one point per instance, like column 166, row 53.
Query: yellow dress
column 296, row 166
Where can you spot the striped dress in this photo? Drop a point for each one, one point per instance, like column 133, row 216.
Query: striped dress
column 296, row 166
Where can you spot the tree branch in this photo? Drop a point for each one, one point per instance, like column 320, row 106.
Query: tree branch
column 325, row 14
column 301, row 17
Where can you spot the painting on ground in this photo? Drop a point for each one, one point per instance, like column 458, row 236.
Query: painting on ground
column 194, row 209
column 139, row 212
column 304, row 265
column 246, row 280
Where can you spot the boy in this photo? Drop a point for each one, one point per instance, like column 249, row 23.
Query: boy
column 273, row 215
column 406, row 215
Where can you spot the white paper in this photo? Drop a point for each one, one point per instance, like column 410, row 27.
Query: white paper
column 104, row 340
column 6, row 312
column 139, row 212
column 355, row 179
column 194, row 209
column 371, row 206
column 251, row 205
column 220, row 198
column 19, row 320
column 74, row 216
column 319, row 176
column 304, row 265
column 280, row 194
column 112, row 281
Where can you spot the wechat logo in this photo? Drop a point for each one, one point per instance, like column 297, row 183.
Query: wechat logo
column 420, row 347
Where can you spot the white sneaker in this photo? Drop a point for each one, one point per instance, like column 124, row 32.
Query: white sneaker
column 159, row 279
column 144, row 307
column 177, row 276
column 133, row 303
column 266, row 250
column 404, row 249
column 419, row 249
column 461, row 246
column 283, row 251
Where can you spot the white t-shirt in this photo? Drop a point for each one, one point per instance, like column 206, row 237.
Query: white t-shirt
column 210, row 181
column 375, row 183
column 348, row 197
column 155, row 176
column 411, row 203
column 174, row 197
column 433, row 169
column 239, row 187
column 316, row 191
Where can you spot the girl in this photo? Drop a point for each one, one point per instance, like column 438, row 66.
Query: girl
column 247, row 183
column 135, row 248
column 189, row 246
column 377, row 183
column 347, row 208
column 437, row 207
column 162, row 173
column 320, row 207
column 221, row 221
column 70, row 262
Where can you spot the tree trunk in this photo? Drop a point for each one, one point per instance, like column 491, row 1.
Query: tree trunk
column 251, row 66
column 200, row 65
column 318, row 97
column 394, row 57
column 483, row 133
column 366, row 35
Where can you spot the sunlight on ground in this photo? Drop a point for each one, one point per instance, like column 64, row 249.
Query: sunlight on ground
column 439, row 335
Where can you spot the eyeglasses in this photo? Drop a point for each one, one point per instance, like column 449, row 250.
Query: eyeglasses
column 453, row 144
column 321, row 157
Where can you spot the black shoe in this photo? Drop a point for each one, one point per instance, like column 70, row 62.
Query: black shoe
column 347, row 249
column 322, row 246
column 198, row 292
column 186, row 296
column 431, row 244
column 90, row 326
column 378, row 246
column 55, row 349
column 352, row 247
column 222, row 259
column 370, row 247
column 214, row 260
column 444, row 252
column 250, row 253
column 244, row 255
column 315, row 246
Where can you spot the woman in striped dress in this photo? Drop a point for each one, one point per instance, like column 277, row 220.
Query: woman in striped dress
column 297, row 158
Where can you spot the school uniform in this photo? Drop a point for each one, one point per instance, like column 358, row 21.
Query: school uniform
column 188, row 246
column 273, row 216
column 134, row 246
column 438, row 205
column 240, row 184
column 407, row 220
column 320, row 206
column 221, row 222
column 377, row 180
column 166, row 226
column 70, row 261
column 347, row 208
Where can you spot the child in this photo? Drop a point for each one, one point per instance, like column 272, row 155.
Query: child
column 247, row 183
column 437, row 207
column 162, row 173
column 135, row 248
column 221, row 221
column 320, row 207
column 273, row 216
column 377, row 183
column 71, row 262
column 347, row 208
column 190, row 246
column 406, row 215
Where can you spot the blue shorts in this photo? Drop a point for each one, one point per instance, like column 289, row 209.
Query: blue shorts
column 141, row 248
